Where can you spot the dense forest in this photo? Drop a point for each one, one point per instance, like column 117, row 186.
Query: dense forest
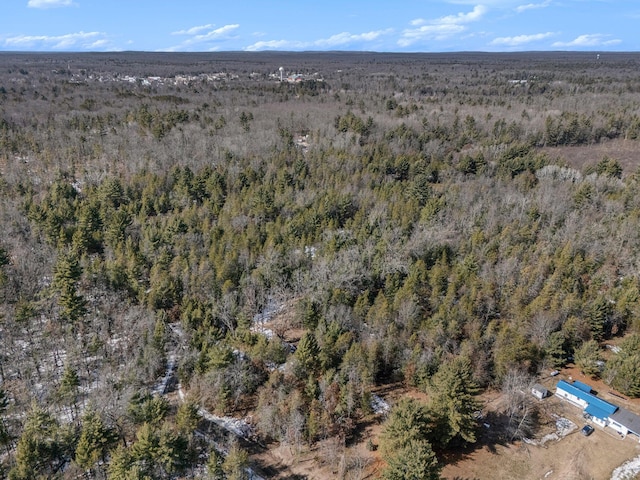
column 187, row 235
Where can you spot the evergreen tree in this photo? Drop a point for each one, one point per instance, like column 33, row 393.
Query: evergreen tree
column 623, row 369
column 408, row 420
column 65, row 280
column 95, row 440
column 587, row 358
column 5, row 437
column 214, row 466
column 146, row 408
column 599, row 316
column 236, row 462
column 68, row 390
column 122, row 466
column 404, row 443
column 554, row 349
column 307, row 352
column 38, row 451
column 414, row 461
column 454, row 402
column 187, row 418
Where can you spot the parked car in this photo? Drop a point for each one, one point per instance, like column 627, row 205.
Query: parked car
column 587, row 430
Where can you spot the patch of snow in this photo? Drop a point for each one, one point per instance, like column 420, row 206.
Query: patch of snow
column 273, row 366
column 613, row 348
column 551, row 437
column 379, row 405
column 268, row 313
column 265, row 316
column 627, row 470
column 161, row 386
column 267, row 332
column 113, row 341
column 239, row 354
column 177, row 329
column 236, row 426
column 564, row 427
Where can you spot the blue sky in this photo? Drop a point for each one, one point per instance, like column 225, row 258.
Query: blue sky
column 371, row 25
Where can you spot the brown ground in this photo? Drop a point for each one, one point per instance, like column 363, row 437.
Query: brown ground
column 573, row 457
column 626, row 152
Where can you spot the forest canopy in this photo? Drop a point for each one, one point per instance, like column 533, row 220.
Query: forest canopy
column 446, row 222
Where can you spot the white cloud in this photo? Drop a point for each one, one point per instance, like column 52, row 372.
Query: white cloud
column 440, row 28
column 474, row 15
column 99, row 44
column 49, row 3
column 275, row 45
column 491, row 3
column 345, row 38
column 333, row 41
column 70, row 41
column 213, row 34
column 202, row 41
column 532, row 6
column 193, row 30
column 589, row 40
column 519, row 40
column 429, row 32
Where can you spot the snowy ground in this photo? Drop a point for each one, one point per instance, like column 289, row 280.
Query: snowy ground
column 627, row 470
column 236, row 426
column 564, row 427
column 379, row 405
column 161, row 386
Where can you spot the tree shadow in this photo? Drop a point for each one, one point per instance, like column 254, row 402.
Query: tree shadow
column 358, row 434
column 493, row 431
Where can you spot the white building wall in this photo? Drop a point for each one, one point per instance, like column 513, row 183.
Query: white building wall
column 571, row 398
column 618, row 428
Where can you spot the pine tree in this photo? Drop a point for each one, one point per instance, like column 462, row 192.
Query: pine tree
column 404, row 443
column 623, row 369
column 187, row 418
column 307, row 352
column 599, row 316
column 587, row 358
column 69, row 384
column 454, row 402
column 145, row 408
column 409, row 420
column 414, row 461
column 95, row 440
column 214, row 466
column 554, row 349
column 38, row 451
column 65, row 280
column 236, row 462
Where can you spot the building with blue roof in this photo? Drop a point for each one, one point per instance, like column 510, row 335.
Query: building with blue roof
column 582, row 386
column 600, row 411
